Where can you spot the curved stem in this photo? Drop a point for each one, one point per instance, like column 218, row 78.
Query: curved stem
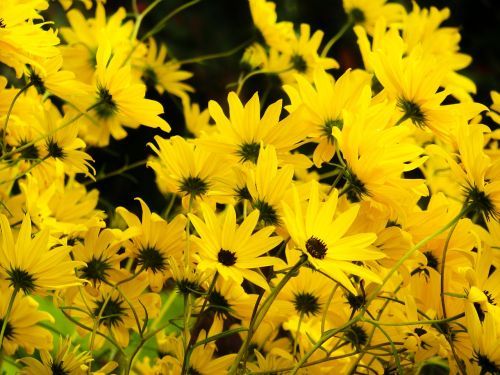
column 5, row 319
column 11, row 107
column 336, row 37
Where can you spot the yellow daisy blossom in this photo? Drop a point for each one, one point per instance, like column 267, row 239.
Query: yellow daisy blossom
column 28, row 263
column 321, row 236
column 232, row 250
column 22, row 329
column 367, row 12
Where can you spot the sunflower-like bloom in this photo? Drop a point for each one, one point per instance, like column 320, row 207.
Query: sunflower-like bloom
column 232, row 250
column 268, row 186
column 22, row 329
column 276, row 34
column 28, row 263
column 117, row 101
column 163, row 75
column 239, row 137
column 84, row 35
column 154, row 241
column 376, row 158
column 187, row 169
column 20, row 38
column 67, row 360
column 113, row 311
column 322, row 237
column 367, row 12
column 477, row 173
column 302, row 52
column 324, row 104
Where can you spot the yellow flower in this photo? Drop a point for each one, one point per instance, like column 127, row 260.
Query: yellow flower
column 66, row 360
column 187, row 169
column 162, row 75
column 154, row 242
column 367, row 12
column 276, row 34
column 20, row 38
column 302, row 52
column 117, row 101
column 30, row 265
column 22, row 328
column 232, row 250
column 321, row 236
column 84, row 37
column 494, row 113
column 324, row 104
column 197, row 121
column 113, row 311
column 239, row 137
column 268, row 186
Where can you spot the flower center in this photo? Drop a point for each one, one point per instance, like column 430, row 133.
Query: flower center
column 218, row 303
column 151, row 258
column 150, row 77
column 57, row 368
column 329, row 125
column 412, row 111
column 487, row 365
column 357, row 15
column 267, row 213
column 316, row 247
column 194, row 186
column 54, row 150
column 9, row 331
column 22, row 280
column 357, row 336
column 95, row 270
column 432, row 261
column 249, row 152
column 106, row 106
column 306, row 303
column 298, row 63
column 113, row 311
column 2, row 24
column 481, row 203
column 226, row 257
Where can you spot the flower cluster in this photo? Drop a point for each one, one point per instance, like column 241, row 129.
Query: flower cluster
column 349, row 226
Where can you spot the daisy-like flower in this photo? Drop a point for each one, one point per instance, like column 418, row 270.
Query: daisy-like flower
column 239, row 137
column 268, row 185
column 197, row 121
column 22, row 329
column 99, row 251
column 154, row 242
column 29, row 265
column 320, row 234
column 191, row 171
column 324, row 104
column 276, row 34
column 367, row 12
column 477, row 173
column 163, row 75
column 117, row 101
column 302, row 52
column 232, row 250
column 20, row 38
column 114, row 311
column 67, row 360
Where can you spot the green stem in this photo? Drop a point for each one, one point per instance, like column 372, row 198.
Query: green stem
column 263, row 310
column 336, row 37
column 116, row 172
column 212, row 56
column 5, row 319
column 9, row 112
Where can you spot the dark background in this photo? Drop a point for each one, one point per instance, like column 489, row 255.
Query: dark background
column 213, row 26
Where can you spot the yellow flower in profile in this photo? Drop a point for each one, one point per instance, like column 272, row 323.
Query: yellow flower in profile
column 197, row 121
column 28, row 263
column 276, row 34
column 367, row 12
column 21, row 39
column 154, row 242
column 324, row 104
column 163, row 75
column 239, row 137
column 67, row 360
column 117, row 101
column 22, row 329
column 187, row 169
column 321, row 234
column 234, row 250
column 494, row 112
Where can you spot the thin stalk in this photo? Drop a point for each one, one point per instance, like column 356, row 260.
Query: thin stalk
column 336, row 37
column 9, row 112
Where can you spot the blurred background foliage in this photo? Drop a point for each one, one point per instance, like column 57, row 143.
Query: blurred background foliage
column 215, row 26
